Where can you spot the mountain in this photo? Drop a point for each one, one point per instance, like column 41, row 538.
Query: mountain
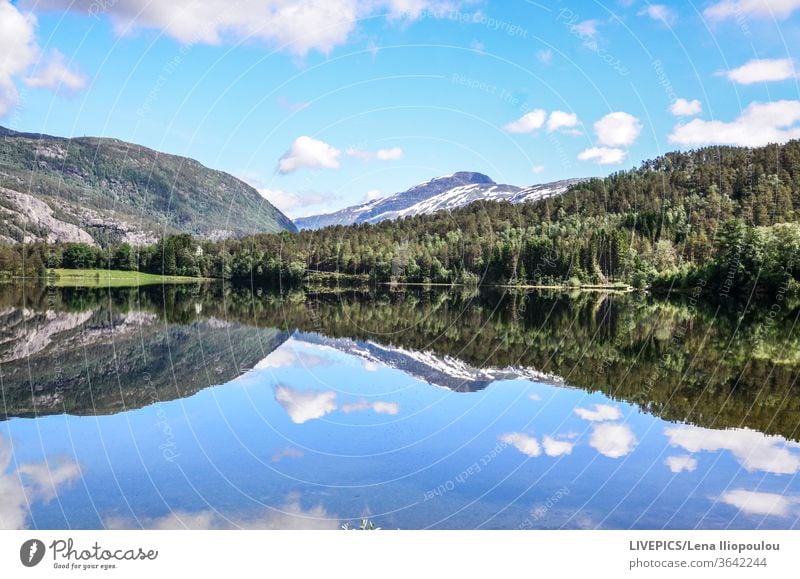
column 439, row 194
column 437, row 370
column 103, row 191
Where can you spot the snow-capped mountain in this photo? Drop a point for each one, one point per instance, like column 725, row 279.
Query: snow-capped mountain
column 442, row 371
column 439, row 194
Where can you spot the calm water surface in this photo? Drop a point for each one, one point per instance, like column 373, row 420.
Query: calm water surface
column 219, row 407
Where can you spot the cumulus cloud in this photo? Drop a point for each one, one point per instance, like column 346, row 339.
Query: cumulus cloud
column 295, row 26
column 18, row 51
column 536, row 169
column 617, row 129
column 681, row 463
column 527, row 123
column 612, row 440
column 600, row 413
column 586, row 29
column 686, row 108
column 763, row 70
column 614, row 130
column 561, row 120
column 304, row 405
column 56, row 74
column 307, row 152
column 736, row 9
column 555, row 447
column 292, row 203
column 758, row 503
column 392, row 154
column 379, row 406
column 524, row 443
column 754, row 451
column 290, row 515
column 29, row 483
column 286, row 356
column 759, row 124
column 659, row 12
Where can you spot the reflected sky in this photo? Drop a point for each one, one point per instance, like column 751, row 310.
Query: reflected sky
column 320, row 432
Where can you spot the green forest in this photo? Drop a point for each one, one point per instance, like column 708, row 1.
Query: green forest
column 723, row 219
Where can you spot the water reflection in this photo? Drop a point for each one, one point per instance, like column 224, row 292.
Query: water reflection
column 218, row 407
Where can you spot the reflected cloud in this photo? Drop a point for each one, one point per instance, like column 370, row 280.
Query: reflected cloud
column 524, row 443
column 305, row 405
column 285, row 357
column 29, row 483
column 535, row 397
column 681, row 463
column 600, row 413
column 379, row 406
column 612, row 440
column 555, row 447
column 290, row 515
column 287, row 452
column 758, row 503
column 754, row 451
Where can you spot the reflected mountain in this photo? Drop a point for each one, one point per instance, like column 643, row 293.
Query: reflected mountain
column 85, row 351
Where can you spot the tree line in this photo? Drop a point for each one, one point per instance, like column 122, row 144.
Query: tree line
column 723, row 217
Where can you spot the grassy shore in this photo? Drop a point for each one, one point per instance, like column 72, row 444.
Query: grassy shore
column 112, row 278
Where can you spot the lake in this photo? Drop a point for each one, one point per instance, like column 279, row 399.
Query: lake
column 215, row 406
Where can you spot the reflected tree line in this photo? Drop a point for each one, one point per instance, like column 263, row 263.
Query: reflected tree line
column 677, row 359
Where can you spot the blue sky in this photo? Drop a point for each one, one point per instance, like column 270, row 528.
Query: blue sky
column 321, row 105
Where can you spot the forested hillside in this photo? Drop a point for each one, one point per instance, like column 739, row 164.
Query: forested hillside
column 723, row 218
column 106, row 191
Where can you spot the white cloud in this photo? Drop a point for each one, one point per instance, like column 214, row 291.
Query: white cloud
column 290, row 203
column 544, row 56
column 392, row 154
column 601, row 412
column 295, row 26
column 307, row 152
column 758, row 125
column 56, row 74
column 754, row 451
column 602, row 155
column 29, row 483
column 617, row 129
column 372, row 195
column 612, row 440
column 586, row 29
column 287, row 452
column 536, row 169
column 527, row 123
column 681, row 463
column 18, row 51
column 554, row 447
column 737, row 9
column 561, row 120
column 290, row 515
column 686, row 108
column 660, row 12
column 535, row 397
column 286, row 356
column 763, row 70
column 522, row 442
column 305, row 405
column 758, row 503
column 379, row 406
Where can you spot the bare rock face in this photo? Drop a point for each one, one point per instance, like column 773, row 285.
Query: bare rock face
column 35, row 220
column 105, row 191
